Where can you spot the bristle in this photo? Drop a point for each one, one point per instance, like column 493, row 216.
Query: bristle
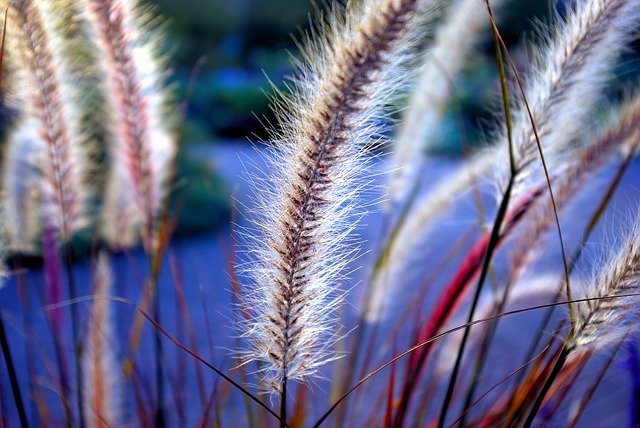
column 351, row 67
column 102, row 372
column 607, row 319
column 454, row 40
column 141, row 142
column 47, row 102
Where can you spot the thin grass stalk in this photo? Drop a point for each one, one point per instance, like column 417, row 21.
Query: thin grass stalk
column 603, row 320
column 526, row 391
column 236, row 293
column 576, row 84
column 4, row 343
column 491, row 245
column 502, row 211
column 52, row 271
column 566, row 381
column 13, row 377
column 586, row 397
column 445, row 333
column 182, row 347
column 452, row 297
column 27, row 323
column 184, row 310
column 592, row 25
column 63, row 188
column 520, row 369
column 144, row 143
column 493, row 241
column 557, row 367
column 78, row 348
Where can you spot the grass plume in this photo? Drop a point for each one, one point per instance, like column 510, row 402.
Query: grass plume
column 47, row 102
column 352, row 62
column 141, row 142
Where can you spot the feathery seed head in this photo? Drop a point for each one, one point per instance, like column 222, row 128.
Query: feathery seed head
column 569, row 70
column 351, row 66
column 41, row 88
column 571, row 65
column 141, row 142
column 605, row 320
column 621, row 134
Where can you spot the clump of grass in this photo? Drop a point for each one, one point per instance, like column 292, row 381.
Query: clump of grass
column 300, row 250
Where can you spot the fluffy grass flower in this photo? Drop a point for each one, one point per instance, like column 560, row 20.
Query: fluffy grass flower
column 141, row 141
column 41, row 87
column 352, row 67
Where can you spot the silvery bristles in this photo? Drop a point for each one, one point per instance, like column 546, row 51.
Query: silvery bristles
column 352, row 65
column 46, row 98
column 605, row 320
column 571, row 65
column 141, row 142
column 454, row 40
column 622, row 134
column 21, row 177
column 102, row 372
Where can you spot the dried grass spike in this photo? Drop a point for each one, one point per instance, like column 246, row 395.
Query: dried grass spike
column 47, row 101
column 351, row 67
column 607, row 319
column 141, row 142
